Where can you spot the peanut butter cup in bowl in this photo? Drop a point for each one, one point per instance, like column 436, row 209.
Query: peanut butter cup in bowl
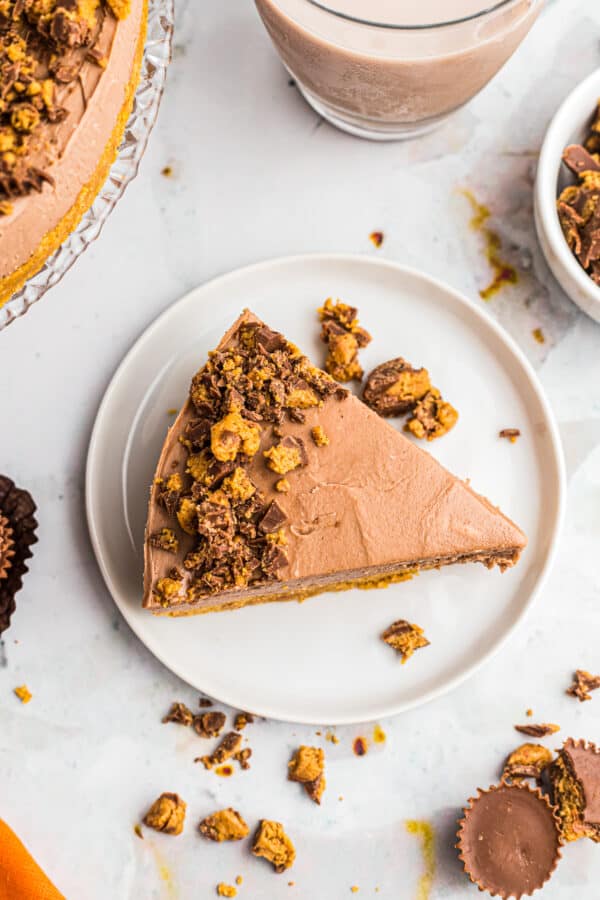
column 80, row 82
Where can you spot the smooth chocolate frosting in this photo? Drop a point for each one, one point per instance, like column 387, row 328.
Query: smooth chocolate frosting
column 509, row 840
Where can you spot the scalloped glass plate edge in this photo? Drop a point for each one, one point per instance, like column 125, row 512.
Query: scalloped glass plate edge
column 157, row 55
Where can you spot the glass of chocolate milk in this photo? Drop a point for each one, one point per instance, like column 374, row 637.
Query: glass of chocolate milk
column 389, row 69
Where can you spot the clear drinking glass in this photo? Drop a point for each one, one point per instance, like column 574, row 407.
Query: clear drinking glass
column 390, row 69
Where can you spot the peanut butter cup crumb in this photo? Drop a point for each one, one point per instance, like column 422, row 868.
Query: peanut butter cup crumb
column 344, row 337
column 137, row 830
column 229, row 746
column 224, row 825
column 527, row 761
column 209, row 724
column 272, row 843
column 242, row 719
column 243, row 756
column 239, row 879
column 307, row 766
column 319, row 437
column 226, row 890
column 233, row 435
column 167, row 814
column 282, row 486
column 203, row 702
column 376, row 238
column 395, row 387
column 512, row 434
column 286, row 456
column 180, row 714
column 583, row 684
column 405, row 638
column 23, row 693
column 432, row 417
column 165, row 539
column 6, row 208
column 541, row 730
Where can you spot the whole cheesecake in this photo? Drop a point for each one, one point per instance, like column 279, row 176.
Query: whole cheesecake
column 68, row 74
column 275, row 483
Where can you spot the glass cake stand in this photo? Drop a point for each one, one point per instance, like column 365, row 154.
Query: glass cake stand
column 157, row 55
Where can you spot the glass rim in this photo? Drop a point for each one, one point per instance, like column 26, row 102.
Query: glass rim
column 493, row 7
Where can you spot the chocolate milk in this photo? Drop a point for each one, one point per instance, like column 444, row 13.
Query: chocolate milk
column 387, row 75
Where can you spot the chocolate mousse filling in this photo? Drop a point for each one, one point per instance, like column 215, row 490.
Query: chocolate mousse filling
column 355, row 513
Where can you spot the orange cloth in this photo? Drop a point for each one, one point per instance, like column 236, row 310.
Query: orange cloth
column 20, row 876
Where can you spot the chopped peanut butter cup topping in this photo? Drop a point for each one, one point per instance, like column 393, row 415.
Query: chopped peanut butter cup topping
column 395, row 387
column 43, row 46
column 405, row 638
column 578, row 205
column 239, row 397
column 344, row 338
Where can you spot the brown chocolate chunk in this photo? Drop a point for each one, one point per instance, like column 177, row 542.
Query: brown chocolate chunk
column 203, row 702
column 583, row 684
column 395, row 387
column 509, row 840
column 272, row 843
column 210, row 724
column 405, row 638
column 180, row 714
column 538, row 731
column 578, row 160
column 510, row 433
column 273, row 518
column 575, row 783
column 224, row 825
column 16, row 538
column 167, row 814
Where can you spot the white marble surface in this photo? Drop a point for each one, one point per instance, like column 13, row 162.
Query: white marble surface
column 256, row 174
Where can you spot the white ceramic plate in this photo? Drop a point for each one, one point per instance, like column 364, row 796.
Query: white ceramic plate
column 322, row 661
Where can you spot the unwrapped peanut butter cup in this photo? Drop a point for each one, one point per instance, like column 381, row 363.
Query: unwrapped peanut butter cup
column 509, row 840
column 17, row 534
column 575, row 781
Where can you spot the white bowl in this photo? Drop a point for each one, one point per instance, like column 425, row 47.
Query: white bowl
column 569, row 126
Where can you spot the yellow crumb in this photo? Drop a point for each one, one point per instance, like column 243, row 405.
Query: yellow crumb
column 424, row 832
column 239, row 879
column 538, row 335
column 226, row 890
column 23, row 693
column 379, row 735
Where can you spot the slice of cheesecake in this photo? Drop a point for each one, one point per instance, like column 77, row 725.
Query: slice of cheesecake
column 275, row 483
